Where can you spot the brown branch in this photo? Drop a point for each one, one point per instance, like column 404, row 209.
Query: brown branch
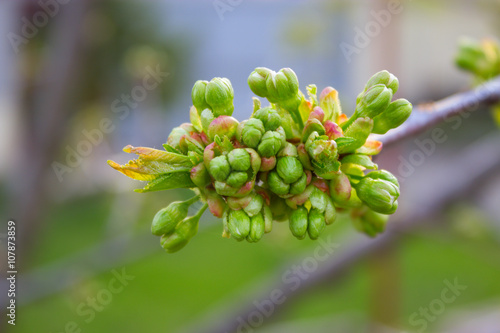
column 427, row 115
column 453, row 185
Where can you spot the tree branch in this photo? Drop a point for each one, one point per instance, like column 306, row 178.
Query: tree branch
column 451, row 186
column 426, row 116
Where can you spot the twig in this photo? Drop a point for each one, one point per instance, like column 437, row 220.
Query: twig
column 426, row 116
column 453, row 185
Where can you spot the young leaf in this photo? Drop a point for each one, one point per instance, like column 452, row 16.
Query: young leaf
column 168, row 182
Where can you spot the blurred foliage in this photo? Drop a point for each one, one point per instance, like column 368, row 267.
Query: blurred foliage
column 167, row 293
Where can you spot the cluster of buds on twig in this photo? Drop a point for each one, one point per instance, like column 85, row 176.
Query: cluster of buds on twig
column 298, row 160
column 482, row 59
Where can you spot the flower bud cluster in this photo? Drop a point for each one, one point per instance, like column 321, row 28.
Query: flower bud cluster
column 482, row 59
column 298, row 160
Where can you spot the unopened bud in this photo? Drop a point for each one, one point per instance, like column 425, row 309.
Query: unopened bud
column 378, row 194
column 167, row 218
column 198, row 95
column 238, row 224
column 254, row 206
column 276, row 184
column 299, row 222
column 270, row 144
column 312, row 125
column 316, row 223
column 237, row 178
column 223, row 126
column 239, row 159
column 300, row 185
column 251, row 132
column 396, row 114
column 219, row 168
column 219, row 95
column 282, row 86
column 200, row 176
column 257, row 81
column 269, row 117
column 289, row 169
column 257, row 228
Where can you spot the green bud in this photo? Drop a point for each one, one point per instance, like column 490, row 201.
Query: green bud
column 384, row 175
column 219, row 95
column 222, row 126
column 270, row 144
column 288, row 150
column 239, row 159
column 357, row 133
column 252, row 132
column 330, row 212
column 237, row 178
column 255, row 205
column 257, row 81
column 282, row 86
column 316, row 223
column 374, row 101
column 374, row 222
column 300, row 185
column 396, row 114
column 257, row 228
column 299, row 222
column 167, row 218
column 323, row 152
column 238, row 224
column 340, row 188
column 269, row 117
column 378, row 194
column 255, row 161
column 175, row 136
column 289, row 169
column 385, row 78
column 216, row 203
column 319, row 200
column 200, row 176
column 304, row 157
column 312, row 125
column 301, row 198
column 238, row 203
column 481, row 58
column 358, row 159
column 182, row 233
column 268, row 219
column 225, row 189
column 281, row 131
column 276, row 184
column 219, row 168
column 198, row 95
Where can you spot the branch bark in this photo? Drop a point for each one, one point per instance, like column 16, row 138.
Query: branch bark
column 477, row 161
column 425, row 116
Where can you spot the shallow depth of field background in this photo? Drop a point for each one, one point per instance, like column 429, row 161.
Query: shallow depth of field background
column 84, row 225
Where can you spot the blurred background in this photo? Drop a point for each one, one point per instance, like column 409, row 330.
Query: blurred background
column 81, row 79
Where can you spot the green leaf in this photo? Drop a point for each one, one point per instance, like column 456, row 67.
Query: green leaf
column 359, row 130
column 167, row 182
column 170, row 149
column 152, row 163
column 358, row 159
